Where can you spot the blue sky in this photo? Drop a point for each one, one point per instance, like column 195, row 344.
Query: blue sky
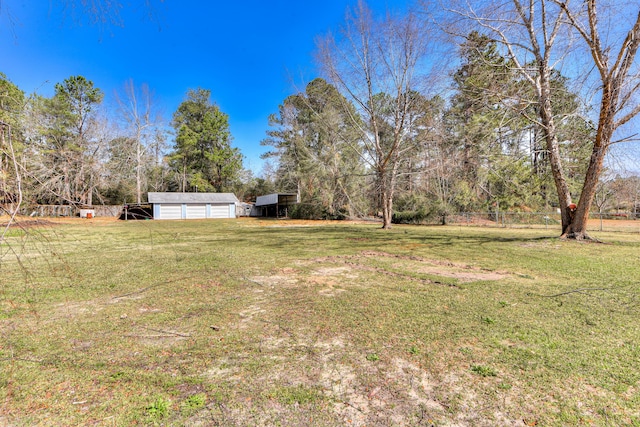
column 250, row 54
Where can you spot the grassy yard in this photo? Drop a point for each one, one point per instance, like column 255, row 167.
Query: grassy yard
column 251, row 322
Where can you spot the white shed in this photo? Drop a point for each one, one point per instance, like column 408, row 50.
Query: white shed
column 193, row 205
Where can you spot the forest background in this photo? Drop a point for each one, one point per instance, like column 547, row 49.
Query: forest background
column 474, row 107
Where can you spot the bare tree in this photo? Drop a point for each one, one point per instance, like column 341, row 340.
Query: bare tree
column 539, row 37
column 374, row 63
column 141, row 119
column 6, row 145
column 68, row 142
column 98, row 12
column 12, row 103
column 613, row 53
column 529, row 31
column 603, row 194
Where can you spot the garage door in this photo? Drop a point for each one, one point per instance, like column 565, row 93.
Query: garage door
column 219, row 211
column 170, row 211
column 196, row 211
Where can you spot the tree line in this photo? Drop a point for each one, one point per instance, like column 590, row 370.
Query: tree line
column 67, row 150
column 473, row 106
column 540, row 93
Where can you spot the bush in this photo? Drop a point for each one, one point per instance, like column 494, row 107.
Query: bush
column 420, row 216
column 427, row 212
column 409, row 217
column 314, row 211
column 307, row 211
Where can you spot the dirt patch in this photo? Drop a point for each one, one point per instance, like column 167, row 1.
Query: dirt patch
column 249, row 314
column 463, row 276
column 72, row 310
column 277, row 280
column 614, row 223
column 331, row 271
column 463, row 273
column 27, row 224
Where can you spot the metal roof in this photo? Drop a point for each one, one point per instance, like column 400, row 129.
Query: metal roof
column 277, row 198
column 192, row 198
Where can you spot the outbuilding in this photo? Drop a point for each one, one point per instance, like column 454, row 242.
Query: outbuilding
column 276, row 204
column 193, row 205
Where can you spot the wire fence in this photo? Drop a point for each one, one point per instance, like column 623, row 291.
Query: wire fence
column 622, row 221
column 619, row 221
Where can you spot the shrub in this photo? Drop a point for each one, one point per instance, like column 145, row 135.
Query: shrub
column 314, row 211
column 420, row 216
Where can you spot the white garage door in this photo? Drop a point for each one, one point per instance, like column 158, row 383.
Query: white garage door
column 219, row 211
column 170, row 211
column 196, row 211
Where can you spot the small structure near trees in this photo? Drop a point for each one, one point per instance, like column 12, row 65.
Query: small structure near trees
column 277, row 204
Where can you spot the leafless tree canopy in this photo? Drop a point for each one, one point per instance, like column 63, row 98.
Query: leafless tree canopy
column 541, row 37
column 375, row 63
column 101, row 13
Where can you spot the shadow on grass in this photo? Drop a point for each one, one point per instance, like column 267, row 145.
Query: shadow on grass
column 341, row 237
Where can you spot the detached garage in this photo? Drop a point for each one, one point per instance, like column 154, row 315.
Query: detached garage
column 193, row 205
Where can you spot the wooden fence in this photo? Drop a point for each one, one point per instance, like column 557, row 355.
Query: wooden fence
column 70, row 211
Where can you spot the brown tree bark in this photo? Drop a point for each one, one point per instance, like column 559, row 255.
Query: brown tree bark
column 550, row 135
column 620, row 81
column 529, row 29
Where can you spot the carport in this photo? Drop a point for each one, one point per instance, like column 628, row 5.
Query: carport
column 276, row 204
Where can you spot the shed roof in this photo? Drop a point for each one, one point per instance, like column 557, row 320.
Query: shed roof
column 277, row 198
column 192, row 198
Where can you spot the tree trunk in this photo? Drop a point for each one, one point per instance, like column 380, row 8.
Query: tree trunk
column 577, row 229
column 4, row 175
column 388, row 180
column 66, row 192
column 138, row 169
column 619, row 87
column 387, row 209
column 90, row 192
column 14, row 200
column 549, row 127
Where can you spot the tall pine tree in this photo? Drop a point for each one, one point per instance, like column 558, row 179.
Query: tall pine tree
column 203, row 157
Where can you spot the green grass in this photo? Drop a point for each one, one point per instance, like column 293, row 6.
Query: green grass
column 249, row 322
